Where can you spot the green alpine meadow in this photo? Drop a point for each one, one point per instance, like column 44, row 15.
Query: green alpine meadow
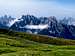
column 24, row 44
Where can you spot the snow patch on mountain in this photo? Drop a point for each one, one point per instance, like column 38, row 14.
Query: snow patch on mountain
column 13, row 21
column 36, row 26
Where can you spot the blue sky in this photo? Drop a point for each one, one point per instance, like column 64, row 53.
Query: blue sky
column 58, row 8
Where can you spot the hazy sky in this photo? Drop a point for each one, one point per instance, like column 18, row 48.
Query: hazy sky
column 58, row 8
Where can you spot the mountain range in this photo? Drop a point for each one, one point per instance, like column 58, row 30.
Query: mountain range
column 43, row 25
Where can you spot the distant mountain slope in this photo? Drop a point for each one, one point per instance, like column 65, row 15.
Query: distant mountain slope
column 44, row 26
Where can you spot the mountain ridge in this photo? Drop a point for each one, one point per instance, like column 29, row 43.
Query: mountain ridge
column 30, row 23
column 41, row 25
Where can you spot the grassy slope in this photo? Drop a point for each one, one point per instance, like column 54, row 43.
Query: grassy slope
column 18, row 46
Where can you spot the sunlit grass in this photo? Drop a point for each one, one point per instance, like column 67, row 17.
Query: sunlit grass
column 18, row 44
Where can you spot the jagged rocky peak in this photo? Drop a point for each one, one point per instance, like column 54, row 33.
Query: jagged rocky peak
column 32, row 20
column 28, row 17
column 52, row 19
column 68, row 21
column 45, row 26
